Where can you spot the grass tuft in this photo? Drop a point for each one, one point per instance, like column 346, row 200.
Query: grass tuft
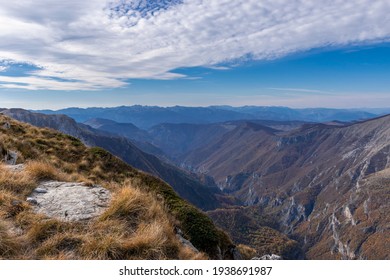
column 246, row 252
column 8, row 245
column 40, row 171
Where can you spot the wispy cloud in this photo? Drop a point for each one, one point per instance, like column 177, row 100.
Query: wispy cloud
column 219, row 67
column 97, row 44
column 301, row 90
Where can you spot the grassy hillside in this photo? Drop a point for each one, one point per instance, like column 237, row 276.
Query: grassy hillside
column 184, row 183
column 139, row 224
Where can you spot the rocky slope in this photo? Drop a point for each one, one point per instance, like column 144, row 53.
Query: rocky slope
column 178, row 140
column 315, row 181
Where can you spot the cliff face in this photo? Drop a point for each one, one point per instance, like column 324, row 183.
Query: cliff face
column 356, row 225
column 320, row 182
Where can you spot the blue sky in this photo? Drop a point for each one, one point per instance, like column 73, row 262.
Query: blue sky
column 195, row 53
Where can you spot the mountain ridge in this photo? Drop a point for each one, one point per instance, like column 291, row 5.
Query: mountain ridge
column 147, row 116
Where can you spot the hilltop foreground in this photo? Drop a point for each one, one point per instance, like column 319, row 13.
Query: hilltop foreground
column 143, row 217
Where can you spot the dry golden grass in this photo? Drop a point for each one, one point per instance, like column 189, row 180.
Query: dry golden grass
column 135, row 226
column 246, row 252
column 148, row 230
column 130, row 205
column 59, row 246
column 42, row 230
column 8, row 245
column 129, row 229
column 40, row 171
column 6, row 197
column 15, row 182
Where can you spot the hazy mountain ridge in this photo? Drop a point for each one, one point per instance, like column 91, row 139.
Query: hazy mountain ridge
column 147, row 116
column 139, row 137
column 177, row 140
column 127, row 130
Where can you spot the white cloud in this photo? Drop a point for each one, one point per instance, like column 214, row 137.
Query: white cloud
column 301, row 90
column 92, row 45
column 215, row 67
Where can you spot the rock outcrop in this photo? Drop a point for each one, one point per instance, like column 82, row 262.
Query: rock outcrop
column 269, row 258
column 69, row 201
column 10, row 157
column 185, row 242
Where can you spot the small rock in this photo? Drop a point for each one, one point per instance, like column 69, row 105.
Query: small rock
column 11, row 157
column 7, row 125
column 185, row 242
column 40, row 190
column 32, row 200
column 268, row 257
column 16, row 202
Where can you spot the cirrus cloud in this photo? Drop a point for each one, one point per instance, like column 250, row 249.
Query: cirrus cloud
column 92, row 45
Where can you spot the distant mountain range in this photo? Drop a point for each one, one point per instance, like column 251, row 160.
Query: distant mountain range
column 147, row 116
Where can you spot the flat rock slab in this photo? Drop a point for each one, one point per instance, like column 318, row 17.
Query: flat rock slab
column 69, row 201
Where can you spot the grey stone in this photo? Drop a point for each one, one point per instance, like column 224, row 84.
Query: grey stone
column 32, row 200
column 70, row 201
column 40, row 190
column 11, row 157
column 268, row 257
column 7, row 125
column 16, row 202
column 185, row 242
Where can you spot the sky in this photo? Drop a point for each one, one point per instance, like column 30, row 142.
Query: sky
column 296, row 53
